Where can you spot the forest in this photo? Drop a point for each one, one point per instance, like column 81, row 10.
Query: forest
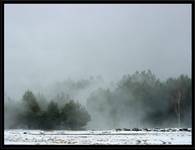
column 136, row 100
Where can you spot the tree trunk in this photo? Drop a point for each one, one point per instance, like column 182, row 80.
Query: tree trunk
column 178, row 109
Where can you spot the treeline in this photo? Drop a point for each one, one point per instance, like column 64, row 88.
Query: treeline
column 137, row 100
column 32, row 116
column 142, row 100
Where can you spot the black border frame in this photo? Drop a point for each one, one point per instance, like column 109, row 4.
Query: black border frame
column 2, row 4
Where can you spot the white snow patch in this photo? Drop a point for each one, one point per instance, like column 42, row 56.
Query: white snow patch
column 91, row 137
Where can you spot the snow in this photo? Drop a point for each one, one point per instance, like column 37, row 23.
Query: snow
column 92, row 137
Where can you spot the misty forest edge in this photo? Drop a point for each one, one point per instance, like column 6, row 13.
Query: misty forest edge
column 137, row 100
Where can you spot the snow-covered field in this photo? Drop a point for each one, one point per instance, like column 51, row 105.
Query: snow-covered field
column 124, row 137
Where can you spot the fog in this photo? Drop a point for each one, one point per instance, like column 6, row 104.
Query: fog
column 46, row 45
column 49, row 43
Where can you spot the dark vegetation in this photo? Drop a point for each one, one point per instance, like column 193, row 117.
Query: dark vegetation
column 139, row 100
column 70, row 116
column 142, row 100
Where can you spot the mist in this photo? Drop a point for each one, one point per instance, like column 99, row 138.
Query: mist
column 81, row 51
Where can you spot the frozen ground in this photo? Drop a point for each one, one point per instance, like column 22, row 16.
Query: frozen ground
column 106, row 137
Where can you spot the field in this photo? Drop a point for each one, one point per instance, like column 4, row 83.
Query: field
column 105, row 137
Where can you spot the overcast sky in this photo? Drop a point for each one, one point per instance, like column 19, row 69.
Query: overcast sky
column 48, row 43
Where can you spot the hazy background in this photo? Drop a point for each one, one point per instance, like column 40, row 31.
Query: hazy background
column 49, row 43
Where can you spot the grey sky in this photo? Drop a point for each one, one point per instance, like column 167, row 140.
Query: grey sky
column 47, row 43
